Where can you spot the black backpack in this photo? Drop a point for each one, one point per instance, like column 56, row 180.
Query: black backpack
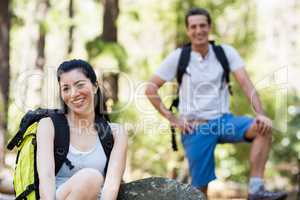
column 183, row 62
column 27, row 132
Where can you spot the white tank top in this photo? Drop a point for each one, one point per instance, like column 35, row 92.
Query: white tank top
column 94, row 158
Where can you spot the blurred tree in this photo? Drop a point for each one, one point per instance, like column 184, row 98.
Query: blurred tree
column 109, row 34
column 107, row 43
column 42, row 11
column 72, row 26
column 35, row 91
column 5, row 71
column 111, row 13
column 286, row 152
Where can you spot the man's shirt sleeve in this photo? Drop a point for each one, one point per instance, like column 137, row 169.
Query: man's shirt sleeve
column 168, row 68
column 233, row 57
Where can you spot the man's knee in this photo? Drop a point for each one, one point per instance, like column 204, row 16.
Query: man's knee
column 266, row 136
column 253, row 133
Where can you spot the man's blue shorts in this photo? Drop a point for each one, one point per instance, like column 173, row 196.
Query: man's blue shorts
column 200, row 144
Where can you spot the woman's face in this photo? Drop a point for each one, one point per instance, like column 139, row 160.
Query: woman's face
column 77, row 91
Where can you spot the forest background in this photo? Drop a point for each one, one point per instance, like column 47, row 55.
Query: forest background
column 125, row 41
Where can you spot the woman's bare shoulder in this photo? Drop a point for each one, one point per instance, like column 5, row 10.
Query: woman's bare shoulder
column 46, row 127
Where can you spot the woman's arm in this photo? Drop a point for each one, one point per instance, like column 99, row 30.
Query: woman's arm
column 116, row 164
column 45, row 159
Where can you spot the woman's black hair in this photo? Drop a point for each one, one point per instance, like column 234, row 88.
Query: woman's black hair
column 89, row 72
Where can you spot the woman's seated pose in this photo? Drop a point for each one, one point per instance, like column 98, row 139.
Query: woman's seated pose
column 87, row 173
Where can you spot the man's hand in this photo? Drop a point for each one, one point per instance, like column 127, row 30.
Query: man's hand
column 184, row 126
column 263, row 124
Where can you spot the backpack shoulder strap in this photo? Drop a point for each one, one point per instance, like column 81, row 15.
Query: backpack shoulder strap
column 61, row 139
column 28, row 119
column 183, row 61
column 221, row 56
column 106, row 138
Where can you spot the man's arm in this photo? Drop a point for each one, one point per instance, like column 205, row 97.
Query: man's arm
column 152, row 93
column 248, row 88
column 263, row 122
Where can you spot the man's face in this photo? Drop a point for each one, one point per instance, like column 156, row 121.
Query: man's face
column 198, row 30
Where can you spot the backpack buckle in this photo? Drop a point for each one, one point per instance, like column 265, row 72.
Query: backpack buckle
column 109, row 145
column 60, row 151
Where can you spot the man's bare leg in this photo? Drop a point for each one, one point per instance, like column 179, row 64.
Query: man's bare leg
column 260, row 149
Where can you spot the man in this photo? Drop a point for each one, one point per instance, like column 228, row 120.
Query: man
column 205, row 119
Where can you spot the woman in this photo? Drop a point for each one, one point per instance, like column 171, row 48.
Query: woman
column 81, row 98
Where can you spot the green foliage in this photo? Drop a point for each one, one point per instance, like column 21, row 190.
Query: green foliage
column 286, row 149
column 43, row 27
column 149, row 142
column 123, row 112
column 229, row 166
column 286, row 143
column 134, row 15
column 16, row 21
column 116, row 51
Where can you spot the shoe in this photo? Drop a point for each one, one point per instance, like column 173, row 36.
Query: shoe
column 263, row 194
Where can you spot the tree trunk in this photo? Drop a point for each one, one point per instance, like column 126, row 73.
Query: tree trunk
column 42, row 9
column 109, row 34
column 71, row 28
column 34, row 94
column 111, row 13
column 4, row 75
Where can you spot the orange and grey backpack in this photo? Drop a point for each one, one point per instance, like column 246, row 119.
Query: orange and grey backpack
column 26, row 178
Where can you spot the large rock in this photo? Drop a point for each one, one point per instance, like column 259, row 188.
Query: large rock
column 156, row 188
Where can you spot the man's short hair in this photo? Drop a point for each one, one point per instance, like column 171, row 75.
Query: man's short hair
column 197, row 11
